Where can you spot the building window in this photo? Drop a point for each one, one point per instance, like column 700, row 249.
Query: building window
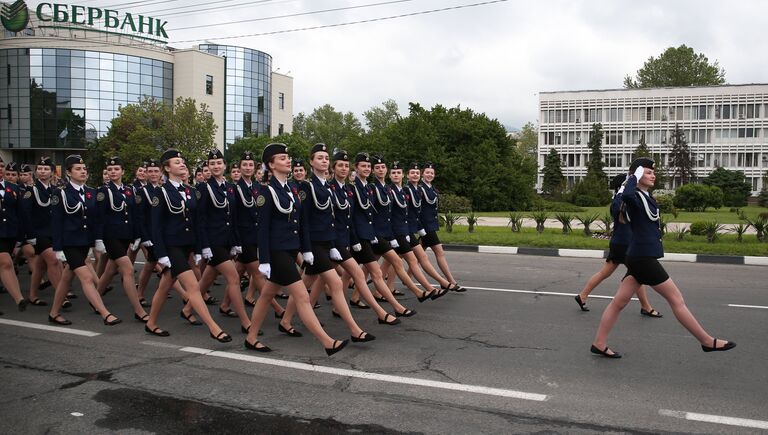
column 281, row 101
column 280, row 129
column 209, row 85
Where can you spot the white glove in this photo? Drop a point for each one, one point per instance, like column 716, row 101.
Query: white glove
column 135, row 245
column 422, row 232
column 60, row 256
column 197, row 258
column 374, row 241
column 408, row 239
column 335, row 254
column 621, row 190
column 356, row 247
column 99, row 247
column 207, row 254
column 235, row 250
column 164, row 261
column 147, row 243
column 639, row 172
column 265, row 269
column 308, row 257
column 393, row 243
column 32, row 242
column 17, row 245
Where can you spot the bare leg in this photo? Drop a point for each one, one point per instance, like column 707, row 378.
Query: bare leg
column 352, row 270
column 425, row 264
column 374, row 270
column 106, row 277
column 227, row 269
column 392, row 258
column 600, row 276
column 8, row 276
column 627, row 288
column 161, row 295
column 442, row 263
column 188, row 281
column 125, row 267
column 669, row 291
column 62, row 288
column 85, row 276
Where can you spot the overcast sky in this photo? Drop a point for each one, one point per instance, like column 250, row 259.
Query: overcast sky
column 493, row 58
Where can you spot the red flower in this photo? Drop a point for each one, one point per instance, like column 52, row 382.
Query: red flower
column 333, row 187
column 186, row 191
column 87, row 195
column 350, row 194
column 295, row 192
column 229, row 189
column 128, row 192
column 407, row 197
column 8, row 189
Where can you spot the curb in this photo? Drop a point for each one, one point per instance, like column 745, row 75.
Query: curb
column 599, row 253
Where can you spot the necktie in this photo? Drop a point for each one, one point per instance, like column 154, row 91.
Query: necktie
column 180, row 188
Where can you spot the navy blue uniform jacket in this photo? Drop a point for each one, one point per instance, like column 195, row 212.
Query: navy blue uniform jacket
column 75, row 221
column 12, row 221
column 120, row 217
column 174, row 220
column 429, row 202
column 343, row 207
column 382, row 210
column 400, row 224
column 362, row 214
column 247, row 212
column 646, row 234
column 279, row 226
column 217, row 214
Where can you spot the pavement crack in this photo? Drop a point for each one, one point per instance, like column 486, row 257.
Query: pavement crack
column 471, row 340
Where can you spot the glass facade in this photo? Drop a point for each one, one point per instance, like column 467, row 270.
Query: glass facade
column 248, row 91
column 59, row 98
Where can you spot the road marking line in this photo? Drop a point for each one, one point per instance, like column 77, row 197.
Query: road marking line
column 372, row 376
column 719, row 419
column 49, row 328
column 506, row 290
column 747, row 306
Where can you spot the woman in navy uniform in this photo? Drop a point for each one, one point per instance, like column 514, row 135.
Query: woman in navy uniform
column 174, row 238
column 75, row 227
column 401, row 225
column 416, row 227
column 643, row 267
column 622, row 234
column 144, row 209
column 319, row 245
column 218, row 235
column 12, row 230
column 11, row 173
column 121, row 230
column 280, row 232
column 429, row 221
column 363, row 251
column 37, row 203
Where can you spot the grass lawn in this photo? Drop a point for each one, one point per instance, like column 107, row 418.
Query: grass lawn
column 553, row 238
column 723, row 215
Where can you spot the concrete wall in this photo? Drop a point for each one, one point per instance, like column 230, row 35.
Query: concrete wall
column 189, row 74
column 282, row 84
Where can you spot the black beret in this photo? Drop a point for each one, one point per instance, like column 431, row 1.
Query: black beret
column 72, row 160
column 198, row 170
column 25, row 168
column 272, row 150
column 151, row 163
column 429, row 165
column 247, row 155
column 298, row 163
column 362, row 157
column 115, row 161
column 317, row 148
column 617, row 181
column 377, row 159
column 341, row 155
column 13, row 167
column 235, row 165
column 413, row 165
column 645, row 162
column 396, row 165
column 45, row 161
column 170, row 154
column 215, row 154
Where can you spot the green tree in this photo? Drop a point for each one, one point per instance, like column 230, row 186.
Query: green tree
column 698, row 197
column 642, row 149
column 144, row 130
column 595, row 164
column 297, row 146
column 528, row 143
column 680, row 158
column 326, row 125
column 734, row 185
column 553, row 181
column 679, row 66
column 379, row 118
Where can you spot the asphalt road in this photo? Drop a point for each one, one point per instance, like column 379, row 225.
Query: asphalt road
column 511, row 355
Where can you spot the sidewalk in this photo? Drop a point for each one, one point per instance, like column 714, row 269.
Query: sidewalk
column 575, row 225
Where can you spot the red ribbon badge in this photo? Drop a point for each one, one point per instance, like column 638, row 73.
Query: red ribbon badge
column 87, row 195
column 295, row 192
column 128, row 192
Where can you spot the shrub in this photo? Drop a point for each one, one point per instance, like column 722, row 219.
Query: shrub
column 565, row 220
column 680, row 233
column 698, row 197
column 666, row 204
column 516, row 221
column 540, row 217
column 471, row 221
column 448, row 219
column 587, row 220
column 762, row 198
column 740, row 229
column 734, row 185
column 607, row 220
column 712, row 230
column 698, row 228
column 454, row 203
column 590, row 191
column 760, row 224
column 541, row 204
column 587, row 201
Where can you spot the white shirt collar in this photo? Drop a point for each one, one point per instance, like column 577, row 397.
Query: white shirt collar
column 175, row 184
column 75, row 185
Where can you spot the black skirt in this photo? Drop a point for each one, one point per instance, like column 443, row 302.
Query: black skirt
column 283, row 268
column 76, row 256
column 117, row 248
column 381, row 248
column 179, row 257
column 321, row 251
column 617, row 253
column 249, row 255
column 405, row 245
column 220, row 255
column 7, row 245
column 364, row 255
column 41, row 244
column 430, row 240
column 646, row 270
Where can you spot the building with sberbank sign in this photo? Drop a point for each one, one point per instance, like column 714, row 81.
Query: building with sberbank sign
column 66, row 68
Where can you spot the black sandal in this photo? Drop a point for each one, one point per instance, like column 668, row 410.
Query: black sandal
column 604, row 352
column 249, row 303
column 188, row 317
column 22, row 305
column 157, row 331
column 111, row 322
column 291, row 332
column 397, row 292
column 144, row 318
column 439, row 294
column 221, row 337
column 250, row 346
column 38, row 302
column 424, row 296
column 406, row 313
column 358, row 304
column 582, row 305
column 228, row 313
column 57, row 321
column 727, row 346
column 143, row 302
column 652, row 313
column 361, row 339
column 384, row 321
column 334, row 349
column 211, row 300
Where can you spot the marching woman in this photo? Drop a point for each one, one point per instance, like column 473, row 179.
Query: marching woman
column 401, row 228
column 368, row 245
column 345, row 237
column 121, row 231
column 416, row 227
column 429, row 220
column 38, row 206
column 247, row 190
column 12, row 230
column 75, row 227
column 218, row 236
column 174, row 238
column 280, row 231
column 643, row 266
column 622, row 234
column 319, row 245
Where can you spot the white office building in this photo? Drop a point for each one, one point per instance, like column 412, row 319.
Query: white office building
column 725, row 126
